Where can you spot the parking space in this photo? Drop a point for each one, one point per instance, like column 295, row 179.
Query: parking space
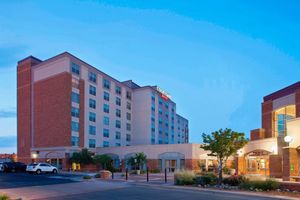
column 15, row 180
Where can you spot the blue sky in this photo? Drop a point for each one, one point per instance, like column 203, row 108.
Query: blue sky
column 216, row 58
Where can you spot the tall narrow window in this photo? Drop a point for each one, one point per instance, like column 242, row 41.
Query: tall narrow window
column 106, row 84
column 92, row 90
column 92, row 77
column 75, row 68
column 75, row 97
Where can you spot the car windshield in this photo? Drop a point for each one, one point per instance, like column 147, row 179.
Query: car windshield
column 33, row 164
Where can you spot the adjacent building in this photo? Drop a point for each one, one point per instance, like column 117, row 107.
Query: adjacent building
column 273, row 149
column 64, row 104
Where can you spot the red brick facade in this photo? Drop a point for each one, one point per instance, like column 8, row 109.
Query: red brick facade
column 267, row 108
column 24, row 127
column 81, row 118
column 257, row 134
column 290, row 165
column 52, row 111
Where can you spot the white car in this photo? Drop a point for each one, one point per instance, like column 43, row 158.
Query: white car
column 39, row 168
column 1, row 167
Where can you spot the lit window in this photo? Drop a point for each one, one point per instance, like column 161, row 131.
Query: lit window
column 75, row 69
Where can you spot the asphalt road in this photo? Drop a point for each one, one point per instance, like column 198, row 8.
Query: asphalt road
column 150, row 193
column 16, row 180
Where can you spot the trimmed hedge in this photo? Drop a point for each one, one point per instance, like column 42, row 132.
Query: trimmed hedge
column 234, row 180
column 268, row 184
column 206, row 179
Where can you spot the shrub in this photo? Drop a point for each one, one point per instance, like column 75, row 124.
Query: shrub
column 97, row 176
column 268, row 184
column 226, row 170
column 87, row 177
column 4, row 197
column 154, row 171
column 184, row 177
column 206, row 179
column 234, row 180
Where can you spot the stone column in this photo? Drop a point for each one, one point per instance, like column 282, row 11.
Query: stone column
column 290, row 163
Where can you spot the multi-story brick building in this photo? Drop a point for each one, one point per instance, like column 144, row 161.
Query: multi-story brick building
column 274, row 149
column 64, row 104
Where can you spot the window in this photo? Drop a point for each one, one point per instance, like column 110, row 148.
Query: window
column 167, row 105
column 105, row 133
column 75, row 141
column 128, row 127
column 92, row 130
column 152, row 118
column 128, row 95
column 92, row 117
column 160, row 121
column 105, row 144
column 167, row 124
column 118, row 124
column 160, row 101
column 152, row 140
column 106, row 96
column 106, row 84
column 92, row 77
column 167, row 115
column 75, row 112
column 128, row 137
column 153, row 97
column 106, row 120
column 128, row 105
column 118, row 144
column 118, row 135
column 92, row 143
column 75, row 69
column 92, row 90
column 105, row 108
column 152, row 128
column 118, row 101
column 118, row 90
column 75, row 97
column 75, row 83
column 153, row 107
column 92, row 103
column 160, row 111
column 118, row 112
column 75, row 126
column 128, row 116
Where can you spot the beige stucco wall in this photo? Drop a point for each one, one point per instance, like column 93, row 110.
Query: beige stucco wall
column 268, row 144
column 293, row 130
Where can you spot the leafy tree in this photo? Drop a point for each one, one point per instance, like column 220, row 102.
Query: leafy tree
column 104, row 160
column 82, row 157
column 223, row 144
column 138, row 160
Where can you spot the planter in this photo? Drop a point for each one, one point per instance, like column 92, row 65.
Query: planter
column 138, row 172
column 105, row 174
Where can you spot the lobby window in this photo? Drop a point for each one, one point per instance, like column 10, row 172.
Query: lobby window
column 118, row 135
column 128, row 116
column 128, row 105
column 92, row 103
column 105, row 144
column 118, row 112
column 280, row 117
column 92, row 77
column 118, row 144
column 128, row 137
column 118, row 90
column 75, row 126
column 92, row 90
column 128, row 127
column 92, row 117
column 75, row 141
column 106, row 96
column 128, row 95
column 75, row 112
column 106, row 84
column 92, row 143
column 105, row 108
column 118, row 101
column 75, row 97
column 118, row 124
column 92, row 130
column 105, row 133
column 75, row 68
column 106, row 120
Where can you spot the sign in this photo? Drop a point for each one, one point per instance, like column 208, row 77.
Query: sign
column 163, row 93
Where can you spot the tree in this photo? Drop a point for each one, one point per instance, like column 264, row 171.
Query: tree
column 104, row 160
column 82, row 157
column 223, row 144
column 138, row 160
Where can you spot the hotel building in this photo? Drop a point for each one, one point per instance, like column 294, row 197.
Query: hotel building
column 273, row 149
column 64, row 104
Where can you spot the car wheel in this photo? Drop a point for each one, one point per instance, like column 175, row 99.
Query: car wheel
column 38, row 171
column 54, row 171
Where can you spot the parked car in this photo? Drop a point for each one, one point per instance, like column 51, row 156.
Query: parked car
column 39, row 168
column 1, row 166
column 13, row 167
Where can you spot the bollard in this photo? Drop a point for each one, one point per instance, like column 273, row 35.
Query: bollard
column 126, row 174
column 165, row 175
column 147, row 174
column 112, row 174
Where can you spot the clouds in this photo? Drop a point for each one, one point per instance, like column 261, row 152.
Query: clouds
column 7, row 113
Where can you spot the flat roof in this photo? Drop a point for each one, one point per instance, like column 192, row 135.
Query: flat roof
column 283, row 92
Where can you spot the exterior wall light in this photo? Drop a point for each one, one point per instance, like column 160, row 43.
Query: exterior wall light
column 288, row 139
column 34, row 155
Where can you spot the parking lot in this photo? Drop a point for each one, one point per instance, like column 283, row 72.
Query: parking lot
column 15, row 180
